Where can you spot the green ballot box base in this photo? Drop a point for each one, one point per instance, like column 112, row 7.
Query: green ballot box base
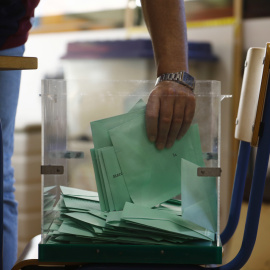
column 196, row 253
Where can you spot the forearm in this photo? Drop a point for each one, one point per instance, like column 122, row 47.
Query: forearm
column 171, row 106
column 166, row 22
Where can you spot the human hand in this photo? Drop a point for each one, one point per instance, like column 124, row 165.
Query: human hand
column 169, row 113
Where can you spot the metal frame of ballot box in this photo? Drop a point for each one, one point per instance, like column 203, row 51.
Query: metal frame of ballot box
column 254, row 208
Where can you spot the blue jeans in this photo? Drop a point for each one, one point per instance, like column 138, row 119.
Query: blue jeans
column 9, row 93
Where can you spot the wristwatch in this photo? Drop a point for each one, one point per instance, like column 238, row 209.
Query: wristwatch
column 180, row 77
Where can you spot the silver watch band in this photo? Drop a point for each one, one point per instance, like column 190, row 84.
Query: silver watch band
column 181, row 77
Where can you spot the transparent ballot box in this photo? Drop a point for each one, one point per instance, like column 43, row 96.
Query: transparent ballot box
column 109, row 195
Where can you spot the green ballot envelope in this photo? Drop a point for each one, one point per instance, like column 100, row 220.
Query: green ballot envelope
column 165, row 222
column 79, row 193
column 199, row 197
column 129, row 168
column 152, row 176
column 101, row 139
column 115, row 180
column 100, row 128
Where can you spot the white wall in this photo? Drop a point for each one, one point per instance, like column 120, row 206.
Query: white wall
column 256, row 32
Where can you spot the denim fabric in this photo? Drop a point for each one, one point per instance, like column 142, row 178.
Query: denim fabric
column 9, row 93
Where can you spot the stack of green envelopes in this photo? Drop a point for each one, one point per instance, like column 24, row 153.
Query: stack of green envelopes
column 136, row 186
column 82, row 221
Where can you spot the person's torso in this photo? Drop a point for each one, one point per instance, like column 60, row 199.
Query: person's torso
column 15, row 21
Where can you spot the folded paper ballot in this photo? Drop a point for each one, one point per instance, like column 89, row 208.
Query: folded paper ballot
column 152, row 176
column 100, row 129
column 101, row 139
column 136, row 188
column 79, row 193
column 199, row 197
column 129, row 168
column 164, row 221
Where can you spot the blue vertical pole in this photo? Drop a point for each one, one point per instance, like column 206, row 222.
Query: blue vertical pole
column 1, row 196
column 238, row 191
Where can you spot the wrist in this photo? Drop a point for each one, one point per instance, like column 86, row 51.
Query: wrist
column 180, row 77
column 170, row 65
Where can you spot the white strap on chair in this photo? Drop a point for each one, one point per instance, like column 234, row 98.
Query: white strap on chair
column 249, row 94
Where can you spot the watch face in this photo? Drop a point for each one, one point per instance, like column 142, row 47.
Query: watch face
column 188, row 79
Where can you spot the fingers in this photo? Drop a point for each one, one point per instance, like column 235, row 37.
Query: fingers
column 152, row 117
column 169, row 113
column 189, row 114
column 177, row 120
column 165, row 120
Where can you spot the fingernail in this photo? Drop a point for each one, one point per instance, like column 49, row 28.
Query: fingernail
column 152, row 138
column 160, row 146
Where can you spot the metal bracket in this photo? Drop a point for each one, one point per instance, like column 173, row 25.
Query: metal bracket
column 52, row 169
column 209, row 171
